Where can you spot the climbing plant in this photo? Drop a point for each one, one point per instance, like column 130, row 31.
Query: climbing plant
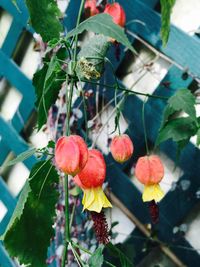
column 71, row 164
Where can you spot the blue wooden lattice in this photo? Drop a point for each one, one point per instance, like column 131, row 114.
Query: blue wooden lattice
column 173, row 209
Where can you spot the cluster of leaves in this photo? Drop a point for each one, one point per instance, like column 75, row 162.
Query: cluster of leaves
column 28, row 234
column 180, row 128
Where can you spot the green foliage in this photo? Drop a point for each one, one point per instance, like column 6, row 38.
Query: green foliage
column 179, row 129
column 166, row 9
column 198, row 137
column 96, row 260
column 44, row 18
column 93, row 52
column 47, row 82
column 183, row 100
column 103, row 24
column 30, row 229
column 117, row 253
column 21, row 157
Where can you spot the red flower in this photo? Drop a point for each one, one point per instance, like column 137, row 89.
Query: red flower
column 149, row 171
column 90, row 179
column 121, row 148
column 71, row 154
column 90, row 8
column 117, row 12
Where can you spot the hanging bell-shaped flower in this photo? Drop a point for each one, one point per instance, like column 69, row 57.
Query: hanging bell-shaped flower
column 149, row 171
column 91, row 8
column 71, row 154
column 117, row 13
column 90, row 179
column 121, row 148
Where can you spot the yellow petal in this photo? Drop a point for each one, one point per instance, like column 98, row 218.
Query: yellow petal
column 94, row 199
column 152, row 192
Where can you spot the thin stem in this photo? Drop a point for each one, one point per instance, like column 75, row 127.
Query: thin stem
column 144, row 127
column 76, row 36
column 68, row 111
column 77, row 257
column 126, row 90
column 90, row 253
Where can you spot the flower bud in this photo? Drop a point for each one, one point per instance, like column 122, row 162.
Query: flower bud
column 94, row 172
column 71, row 154
column 117, row 13
column 121, row 148
column 149, row 171
column 90, row 8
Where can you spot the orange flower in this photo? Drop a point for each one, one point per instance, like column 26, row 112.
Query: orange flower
column 117, row 13
column 71, row 154
column 149, row 171
column 90, row 8
column 121, row 148
column 90, row 179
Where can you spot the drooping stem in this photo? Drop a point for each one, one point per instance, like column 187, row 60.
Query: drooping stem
column 144, row 127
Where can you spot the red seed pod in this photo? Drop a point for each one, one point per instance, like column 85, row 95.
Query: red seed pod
column 121, row 148
column 90, row 8
column 71, row 154
column 94, row 172
column 117, row 12
column 154, row 211
column 149, row 170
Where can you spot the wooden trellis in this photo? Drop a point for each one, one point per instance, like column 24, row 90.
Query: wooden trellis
column 173, row 209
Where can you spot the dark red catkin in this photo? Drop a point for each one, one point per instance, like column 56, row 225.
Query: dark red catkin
column 100, row 227
column 154, row 211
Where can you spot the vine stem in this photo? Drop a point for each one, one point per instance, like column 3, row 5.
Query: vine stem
column 68, row 111
column 126, row 90
column 90, row 253
column 144, row 127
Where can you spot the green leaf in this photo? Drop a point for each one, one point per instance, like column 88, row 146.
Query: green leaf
column 47, row 82
column 93, row 52
column 29, row 234
column 96, row 260
column 166, row 9
column 116, row 252
column 198, row 137
column 179, row 129
column 182, row 100
column 103, row 24
column 19, row 207
column 44, row 18
column 21, row 157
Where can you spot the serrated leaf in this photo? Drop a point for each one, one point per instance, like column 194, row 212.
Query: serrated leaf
column 182, row 100
column 116, row 252
column 166, row 9
column 47, row 82
column 44, row 16
column 21, row 157
column 29, row 235
column 178, row 130
column 97, row 258
column 103, row 24
column 19, row 207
